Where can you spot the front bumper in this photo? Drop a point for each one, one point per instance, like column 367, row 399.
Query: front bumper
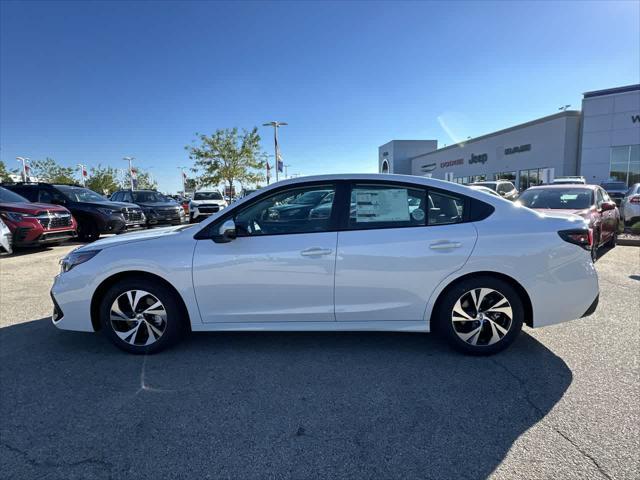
column 31, row 237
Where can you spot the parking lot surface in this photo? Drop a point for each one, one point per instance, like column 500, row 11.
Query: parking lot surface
column 562, row 402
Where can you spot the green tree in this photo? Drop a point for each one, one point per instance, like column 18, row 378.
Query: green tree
column 144, row 180
column 48, row 170
column 103, row 180
column 227, row 156
column 4, row 173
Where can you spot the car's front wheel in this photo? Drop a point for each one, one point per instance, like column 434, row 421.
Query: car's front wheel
column 480, row 316
column 140, row 316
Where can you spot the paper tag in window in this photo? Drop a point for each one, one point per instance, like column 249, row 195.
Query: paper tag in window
column 383, row 205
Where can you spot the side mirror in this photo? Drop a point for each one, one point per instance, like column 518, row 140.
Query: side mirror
column 58, row 201
column 503, row 193
column 226, row 232
column 608, row 206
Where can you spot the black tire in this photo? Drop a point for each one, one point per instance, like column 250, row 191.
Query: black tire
column 88, row 231
column 191, row 218
column 614, row 239
column 444, row 323
column 172, row 328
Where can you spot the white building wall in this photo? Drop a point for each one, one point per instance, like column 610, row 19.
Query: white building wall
column 607, row 122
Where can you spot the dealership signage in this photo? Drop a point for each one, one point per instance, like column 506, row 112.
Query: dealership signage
column 429, row 167
column 635, row 118
column 518, row 149
column 452, row 163
column 482, row 158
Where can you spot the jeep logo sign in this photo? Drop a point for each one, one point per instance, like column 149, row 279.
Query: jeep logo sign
column 521, row 148
column 482, row 158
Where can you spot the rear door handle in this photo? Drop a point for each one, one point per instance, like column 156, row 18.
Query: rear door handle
column 316, row 252
column 444, row 245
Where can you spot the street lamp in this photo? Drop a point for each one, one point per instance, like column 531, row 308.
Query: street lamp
column 564, row 108
column 24, row 161
column 82, row 172
column 182, row 177
column 276, row 125
column 130, row 159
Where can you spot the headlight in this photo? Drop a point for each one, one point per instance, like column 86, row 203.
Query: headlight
column 108, row 211
column 15, row 216
column 76, row 258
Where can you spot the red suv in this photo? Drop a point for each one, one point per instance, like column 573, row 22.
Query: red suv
column 34, row 224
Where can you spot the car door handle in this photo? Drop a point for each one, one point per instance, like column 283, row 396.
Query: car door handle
column 444, row 245
column 316, row 252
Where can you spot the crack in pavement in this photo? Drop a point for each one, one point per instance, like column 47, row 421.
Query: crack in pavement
column 552, row 427
column 46, row 463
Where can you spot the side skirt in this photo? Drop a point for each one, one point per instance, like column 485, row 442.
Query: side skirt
column 382, row 326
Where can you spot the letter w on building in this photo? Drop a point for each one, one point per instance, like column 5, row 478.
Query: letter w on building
column 635, row 118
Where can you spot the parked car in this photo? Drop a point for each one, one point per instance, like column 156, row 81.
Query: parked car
column 35, row 224
column 299, row 206
column 504, row 188
column 415, row 254
column 158, row 209
column 482, row 188
column 6, row 239
column 183, row 202
column 205, row 203
column 94, row 213
column 590, row 202
column 616, row 190
column 569, row 180
column 630, row 205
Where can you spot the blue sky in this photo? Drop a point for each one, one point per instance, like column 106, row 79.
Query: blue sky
column 92, row 82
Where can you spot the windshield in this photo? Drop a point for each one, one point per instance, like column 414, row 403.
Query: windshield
column 207, row 196
column 150, row 197
column 614, row 186
column 7, row 196
column 557, row 198
column 79, row 194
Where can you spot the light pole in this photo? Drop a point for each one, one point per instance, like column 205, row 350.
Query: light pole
column 286, row 167
column 130, row 159
column 82, row 172
column 184, row 187
column 24, row 161
column 276, row 125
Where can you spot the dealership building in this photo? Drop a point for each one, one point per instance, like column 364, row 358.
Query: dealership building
column 601, row 142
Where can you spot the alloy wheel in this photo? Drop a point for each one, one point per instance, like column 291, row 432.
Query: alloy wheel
column 482, row 317
column 138, row 317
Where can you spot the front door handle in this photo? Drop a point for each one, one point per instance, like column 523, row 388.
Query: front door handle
column 444, row 245
column 316, row 252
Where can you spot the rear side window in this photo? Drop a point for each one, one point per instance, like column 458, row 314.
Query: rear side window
column 445, row 209
column 386, row 206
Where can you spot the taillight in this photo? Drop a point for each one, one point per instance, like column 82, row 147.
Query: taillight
column 635, row 199
column 580, row 237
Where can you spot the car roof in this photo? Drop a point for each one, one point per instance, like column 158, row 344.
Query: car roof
column 565, row 185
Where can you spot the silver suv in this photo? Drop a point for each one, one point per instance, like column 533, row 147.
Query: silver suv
column 504, row 188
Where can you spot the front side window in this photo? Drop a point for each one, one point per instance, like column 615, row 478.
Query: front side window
column 295, row 210
column 386, row 206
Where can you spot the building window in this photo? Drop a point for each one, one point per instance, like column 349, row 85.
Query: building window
column 511, row 176
column 385, row 166
column 530, row 178
column 625, row 164
column 477, row 178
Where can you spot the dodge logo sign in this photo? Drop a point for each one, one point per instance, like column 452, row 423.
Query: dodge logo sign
column 429, row 167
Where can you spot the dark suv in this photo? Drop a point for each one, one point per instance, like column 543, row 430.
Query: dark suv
column 94, row 213
column 158, row 208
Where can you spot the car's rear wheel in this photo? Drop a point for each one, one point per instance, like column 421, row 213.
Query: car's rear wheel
column 141, row 317
column 480, row 316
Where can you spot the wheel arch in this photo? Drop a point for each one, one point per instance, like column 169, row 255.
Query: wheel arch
column 526, row 300
column 113, row 279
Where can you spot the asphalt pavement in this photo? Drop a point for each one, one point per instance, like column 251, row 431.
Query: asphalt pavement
column 563, row 402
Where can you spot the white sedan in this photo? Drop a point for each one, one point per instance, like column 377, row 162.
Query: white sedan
column 385, row 253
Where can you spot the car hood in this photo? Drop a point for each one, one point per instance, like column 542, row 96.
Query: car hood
column 32, row 208
column 563, row 212
column 109, row 204
column 158, row 204
column 141, row 236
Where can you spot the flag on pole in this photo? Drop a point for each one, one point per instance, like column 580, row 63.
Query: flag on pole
column 84, row 172
column 280, row 164
column 27, row 169
column 184, row 176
